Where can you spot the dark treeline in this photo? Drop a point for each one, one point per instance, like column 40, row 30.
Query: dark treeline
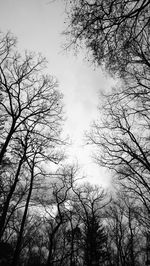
column 47, row 217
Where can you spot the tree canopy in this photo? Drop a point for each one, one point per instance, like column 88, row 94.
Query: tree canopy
column 116, row 32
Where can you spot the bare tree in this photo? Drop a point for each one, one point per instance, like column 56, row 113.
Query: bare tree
column 126, row 241
column 60, row 195
column 27, row 95
column 89, row 203
column 30, row 135
column 116, row 33
column 122, row 143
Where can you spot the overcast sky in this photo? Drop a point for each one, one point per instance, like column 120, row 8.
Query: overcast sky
column 38, row 25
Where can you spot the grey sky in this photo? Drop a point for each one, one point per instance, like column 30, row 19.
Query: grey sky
column 38, row 25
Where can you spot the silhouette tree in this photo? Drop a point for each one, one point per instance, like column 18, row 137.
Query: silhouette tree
column 56, row 222
column 89, row 205
column 122, row 142
column 116, row 33
column 126, row 239
column 30, row 135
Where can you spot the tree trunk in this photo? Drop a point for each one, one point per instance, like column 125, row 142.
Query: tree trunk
column 19, row 241
column 7, row 202
column 4, row 146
